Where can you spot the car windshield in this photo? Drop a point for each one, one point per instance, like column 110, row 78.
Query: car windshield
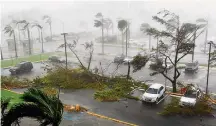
column 152, row 91
column 18, row 65
column 190, row 94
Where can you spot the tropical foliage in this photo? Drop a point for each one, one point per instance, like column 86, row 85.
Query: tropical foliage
column 36, row 104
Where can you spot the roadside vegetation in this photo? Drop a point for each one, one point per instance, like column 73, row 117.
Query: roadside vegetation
column 202, row 108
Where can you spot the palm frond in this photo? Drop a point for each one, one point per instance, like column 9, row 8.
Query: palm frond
column 98, row 15
column 21, row 110
column 4, row 104
column 97, row 23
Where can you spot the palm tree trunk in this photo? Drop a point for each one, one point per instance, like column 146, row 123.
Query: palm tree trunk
column 39, row 37
column 206, row 37
column 194, row 46
column 2, row 55
column 126, row 41
column 15, row 45
column 42, row 46
column 149, row 42
column 29, row 40
column 102, row 37
column 50, row 30
column 128, row 74
column 19, row 32
column 107, row 32
column 157, row 46
column 122, row 43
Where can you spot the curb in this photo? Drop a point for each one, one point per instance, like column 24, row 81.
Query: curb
column 93, row 114
column 112, row 119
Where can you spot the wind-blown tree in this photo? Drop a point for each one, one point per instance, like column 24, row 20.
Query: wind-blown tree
column 48, row 20
column 122, row 26
column 143, row 28
column 88, row 46
column 100, row 23
column 205, row 22
column 40, row 28
column 108, row 24
column 177, row 35
column 26, row 27
column 9, row 29
column 36, row 104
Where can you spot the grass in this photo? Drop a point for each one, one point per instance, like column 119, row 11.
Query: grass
column 32, row 58
column 15, row 97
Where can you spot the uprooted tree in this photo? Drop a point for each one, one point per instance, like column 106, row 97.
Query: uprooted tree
column 176, row 39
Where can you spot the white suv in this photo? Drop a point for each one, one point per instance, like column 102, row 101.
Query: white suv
column 153, row 93
column 190, row 98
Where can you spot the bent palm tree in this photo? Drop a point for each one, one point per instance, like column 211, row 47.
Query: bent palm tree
column 26, row 27
column 122, row 26
column 10, row 30
column 41, row 32
column 143, row 28
column 46, row 109
column 100, row 23
column 48, row 21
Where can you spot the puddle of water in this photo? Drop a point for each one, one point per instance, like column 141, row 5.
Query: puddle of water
column 72, row 116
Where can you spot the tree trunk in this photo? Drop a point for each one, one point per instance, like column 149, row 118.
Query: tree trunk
column 194, row 39
column 128, row 73
column 39, row 35
column 157, row 46
column 50, row 31
column 206, row 37
column 107, row 33
column 122, row 42
column 102, row 37
column 2, row 55
column 29, row 39
column 90, row 59
column 42, row 48
column 150, row 42
column 19, row 32
column 15, row 45
column 126, row 40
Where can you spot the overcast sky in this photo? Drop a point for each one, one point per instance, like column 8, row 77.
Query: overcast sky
column 72, row 13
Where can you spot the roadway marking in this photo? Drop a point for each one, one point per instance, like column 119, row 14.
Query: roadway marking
column 112, row 119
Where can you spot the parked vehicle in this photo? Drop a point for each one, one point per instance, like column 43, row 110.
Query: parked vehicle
column 56, row 59
column 119, row 59
column 154, row 93
column 128, row 59
column 190, row 98
column 192, row 67
column 22, row 67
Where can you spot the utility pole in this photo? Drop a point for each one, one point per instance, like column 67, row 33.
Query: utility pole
column 65, row 43
column 210, row 44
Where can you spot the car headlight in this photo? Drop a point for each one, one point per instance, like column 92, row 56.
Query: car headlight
column 154, row 99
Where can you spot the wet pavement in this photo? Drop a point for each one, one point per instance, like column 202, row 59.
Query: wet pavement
column 130, row 111
column 142, row 75
column 75, row 119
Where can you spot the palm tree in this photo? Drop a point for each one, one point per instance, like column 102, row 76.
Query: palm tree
column 1, row 54
column 10, row 30
column 108, row 24
column 143, row 28
column 49, row 21
column 36, row 104
column 122, row 26
column 100, row 23
column 26, row 26
column 40, row 28
column 205, row 22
